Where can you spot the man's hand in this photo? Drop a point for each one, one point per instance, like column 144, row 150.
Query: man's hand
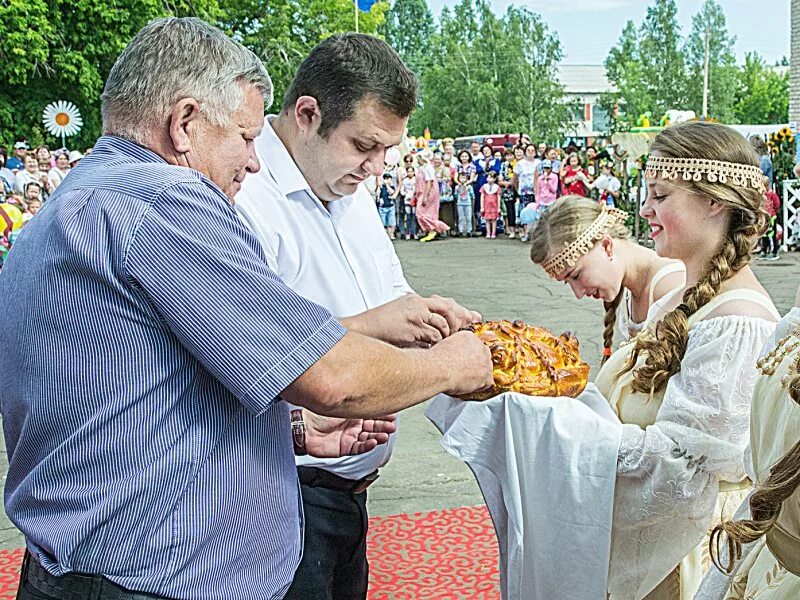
column 470, row 362
column 412, row 320
column 327, row 437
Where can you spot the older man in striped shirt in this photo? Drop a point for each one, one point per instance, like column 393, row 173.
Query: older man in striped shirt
column 150, row 454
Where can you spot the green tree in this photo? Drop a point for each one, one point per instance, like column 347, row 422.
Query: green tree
column 625, row 70
column 63, row 50
column 493, row 75
column 409, row 28
column 663, row 64
column 723, row 72
column 763, row 93
column 283, row 32
column 647, row 68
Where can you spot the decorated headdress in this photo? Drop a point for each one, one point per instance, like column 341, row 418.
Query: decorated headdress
column 606, row 221
column 713, row 171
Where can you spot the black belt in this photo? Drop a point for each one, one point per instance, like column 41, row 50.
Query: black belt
column 75, row 586
column 314, row 477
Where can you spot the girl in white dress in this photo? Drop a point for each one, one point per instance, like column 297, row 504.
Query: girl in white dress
column 627, row 277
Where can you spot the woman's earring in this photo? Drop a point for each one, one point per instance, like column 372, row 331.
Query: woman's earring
column 611, row 258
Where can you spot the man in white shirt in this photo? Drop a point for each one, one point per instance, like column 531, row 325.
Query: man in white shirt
column 322, row 235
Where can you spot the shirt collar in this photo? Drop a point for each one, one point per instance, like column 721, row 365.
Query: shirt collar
column 278, row 161
column 285, row 172
column 119, row 146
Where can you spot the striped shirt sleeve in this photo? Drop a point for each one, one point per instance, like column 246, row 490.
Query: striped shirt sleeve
column 205, row 275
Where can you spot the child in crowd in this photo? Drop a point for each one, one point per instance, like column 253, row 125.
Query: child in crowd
column 769, row 241
column 385, row 197
column 32, row 208
column 407, row 189
column 490, row 204
column 575, row 181
column 608, row 185
column 547, row 190
column 33, row 191
column 465, row 197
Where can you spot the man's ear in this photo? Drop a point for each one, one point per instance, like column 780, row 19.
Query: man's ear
column 184, row 118
column 307, row 114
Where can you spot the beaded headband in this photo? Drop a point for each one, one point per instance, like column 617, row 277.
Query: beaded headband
column 713, row 171
column 605, row 222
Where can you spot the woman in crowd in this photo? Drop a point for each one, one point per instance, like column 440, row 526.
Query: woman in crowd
column 765, row 158
column 574, row 180
column 32, row 174
column 682, row 387
column 43, row 154
column 769, row 540
column 627, row 277
column 426, row 194
column 526, row 181
column 465, row 166
column 509, row 194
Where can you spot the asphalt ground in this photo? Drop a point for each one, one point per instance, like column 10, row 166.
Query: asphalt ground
column 496, row 278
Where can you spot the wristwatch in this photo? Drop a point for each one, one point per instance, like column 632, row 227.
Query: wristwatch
column 298, row 433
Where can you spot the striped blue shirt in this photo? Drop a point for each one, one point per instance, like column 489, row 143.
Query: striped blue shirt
column 142, row 363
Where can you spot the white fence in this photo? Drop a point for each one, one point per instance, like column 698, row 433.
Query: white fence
column 791, row 214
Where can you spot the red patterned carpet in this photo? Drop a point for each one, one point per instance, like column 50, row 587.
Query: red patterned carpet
column 441, row 555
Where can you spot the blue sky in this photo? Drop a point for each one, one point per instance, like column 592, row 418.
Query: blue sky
column 589, row 28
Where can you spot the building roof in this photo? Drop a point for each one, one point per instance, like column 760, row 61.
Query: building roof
column 584, row 79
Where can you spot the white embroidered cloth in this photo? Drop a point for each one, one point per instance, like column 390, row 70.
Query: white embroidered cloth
column 553, row 523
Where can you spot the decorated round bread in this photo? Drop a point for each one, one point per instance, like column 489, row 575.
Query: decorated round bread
column 531, row 360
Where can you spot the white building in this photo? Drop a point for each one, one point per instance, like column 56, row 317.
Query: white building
column 585, row 84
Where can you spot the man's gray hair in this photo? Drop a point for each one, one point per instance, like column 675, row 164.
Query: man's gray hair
column 176, row 58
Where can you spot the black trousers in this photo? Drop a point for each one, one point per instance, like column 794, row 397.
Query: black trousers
column 37, row 584
column 334, row 565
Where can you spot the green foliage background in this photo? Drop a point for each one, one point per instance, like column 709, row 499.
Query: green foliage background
column 479, row 72
column 655, row 69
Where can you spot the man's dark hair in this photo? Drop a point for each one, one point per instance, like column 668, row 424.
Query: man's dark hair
column 346, row 68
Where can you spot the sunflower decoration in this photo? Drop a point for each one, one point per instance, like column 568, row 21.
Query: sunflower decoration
column 62, row 119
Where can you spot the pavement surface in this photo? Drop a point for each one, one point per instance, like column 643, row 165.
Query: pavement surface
column 496, row 278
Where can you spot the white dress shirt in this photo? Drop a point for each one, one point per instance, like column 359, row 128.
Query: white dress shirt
column 339, row 257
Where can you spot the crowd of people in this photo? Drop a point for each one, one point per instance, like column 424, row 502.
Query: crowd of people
column 484, row 190
column 28, row 177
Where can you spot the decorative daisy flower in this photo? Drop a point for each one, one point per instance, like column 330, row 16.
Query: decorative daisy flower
column 62, row 119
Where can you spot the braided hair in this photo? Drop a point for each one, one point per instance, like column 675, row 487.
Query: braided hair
column 664, row 351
